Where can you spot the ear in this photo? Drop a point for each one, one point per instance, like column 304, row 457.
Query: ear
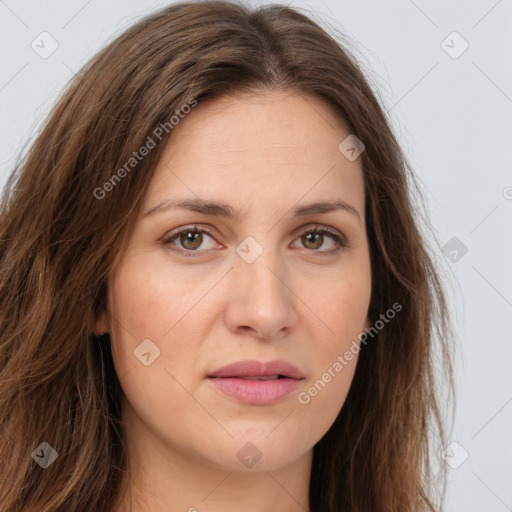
column 101, row 324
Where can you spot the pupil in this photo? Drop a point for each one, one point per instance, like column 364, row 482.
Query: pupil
column 191, row 238
column 313, row 238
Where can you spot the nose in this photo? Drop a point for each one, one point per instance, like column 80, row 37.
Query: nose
column 262, row 301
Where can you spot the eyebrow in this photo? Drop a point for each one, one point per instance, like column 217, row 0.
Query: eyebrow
column 224, row 210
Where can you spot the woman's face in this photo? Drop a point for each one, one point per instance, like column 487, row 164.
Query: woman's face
column 256, row 286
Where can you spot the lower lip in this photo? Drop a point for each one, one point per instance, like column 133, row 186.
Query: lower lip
column 256, row 392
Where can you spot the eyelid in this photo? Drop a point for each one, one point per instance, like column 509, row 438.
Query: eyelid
column 339, row 238
column 169, row 237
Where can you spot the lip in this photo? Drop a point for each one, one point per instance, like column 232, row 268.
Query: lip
column 254, row 368
column 240, row 380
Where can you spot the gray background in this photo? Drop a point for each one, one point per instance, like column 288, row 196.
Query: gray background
column 452, row 116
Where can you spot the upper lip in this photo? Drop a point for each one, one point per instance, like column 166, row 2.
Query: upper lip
column 254, row 368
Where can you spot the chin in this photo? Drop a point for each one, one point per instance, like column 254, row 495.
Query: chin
column 254, row 453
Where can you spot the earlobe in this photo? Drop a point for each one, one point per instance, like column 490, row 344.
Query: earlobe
column 101, row 324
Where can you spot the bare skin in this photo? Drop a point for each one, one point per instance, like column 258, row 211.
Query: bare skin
column 301, row 300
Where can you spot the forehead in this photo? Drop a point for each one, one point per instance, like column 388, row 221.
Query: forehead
column 266, row 120
column 277, row 146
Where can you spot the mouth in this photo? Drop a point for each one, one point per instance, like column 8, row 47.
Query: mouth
column 257, row 383
column 259, row 370
column 263, row 377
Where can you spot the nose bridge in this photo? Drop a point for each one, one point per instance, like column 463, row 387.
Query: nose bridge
column 263, row 301
column 259, row 266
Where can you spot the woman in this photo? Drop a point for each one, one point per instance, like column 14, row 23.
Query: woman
column 215, row 293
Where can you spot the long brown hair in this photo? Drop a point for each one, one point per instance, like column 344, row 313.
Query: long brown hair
column 59, row 240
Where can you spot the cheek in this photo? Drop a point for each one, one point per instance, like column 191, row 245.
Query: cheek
column 323, row 396
column 140, row 308
column 148, row 303
column 339, row 307
column 148, row 300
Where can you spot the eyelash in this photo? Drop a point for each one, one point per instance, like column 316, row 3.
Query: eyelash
column 339, row 239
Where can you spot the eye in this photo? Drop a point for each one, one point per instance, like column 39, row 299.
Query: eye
column 314, row 238
column 189, row 240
